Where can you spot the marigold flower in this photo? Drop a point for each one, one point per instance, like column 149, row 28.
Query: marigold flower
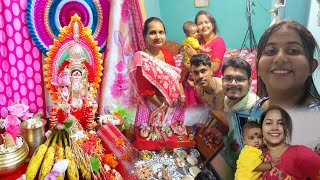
column 110, row 160
column 120, row 142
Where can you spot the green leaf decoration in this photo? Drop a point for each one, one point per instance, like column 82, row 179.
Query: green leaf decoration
column 126, row 114
column 68, row 123
column 38, row 116
column 94, row 164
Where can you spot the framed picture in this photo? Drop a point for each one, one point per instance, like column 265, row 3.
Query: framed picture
column 201, row 3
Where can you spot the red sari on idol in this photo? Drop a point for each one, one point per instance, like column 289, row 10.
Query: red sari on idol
column 150, row 76
column 297, row 162
column 79, row 113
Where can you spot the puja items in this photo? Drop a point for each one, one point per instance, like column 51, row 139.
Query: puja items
column 167, row 130
column 83, row 149
column 115, row 142
column 92, row 159
column 13, row 148
column 194, row 170
column 192, row 160
column 90, row 123
column 146, row 155
column 210, row 137
column 179, row 128
column 33, row 132
column 53, row 117
column 11, row 158
column 50, row 152
column 145, row 130
column 109, row 118
column 144, row 172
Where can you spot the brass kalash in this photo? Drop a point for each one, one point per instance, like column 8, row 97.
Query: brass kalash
column 34, row 136
column 11, row 162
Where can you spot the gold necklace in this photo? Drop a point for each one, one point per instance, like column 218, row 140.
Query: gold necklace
column 277, row 151
column 276, row 148
column 156, row 56
column 210, row 38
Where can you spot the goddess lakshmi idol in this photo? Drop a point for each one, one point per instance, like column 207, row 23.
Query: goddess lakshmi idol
column 73, row 72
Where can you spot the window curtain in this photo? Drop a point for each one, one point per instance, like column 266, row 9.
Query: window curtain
column 124, row 39
column 21, row 77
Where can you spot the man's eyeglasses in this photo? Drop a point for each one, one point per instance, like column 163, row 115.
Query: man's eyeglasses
column 229, row 79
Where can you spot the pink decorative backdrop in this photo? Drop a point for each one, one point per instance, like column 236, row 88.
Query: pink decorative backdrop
column 20, row 60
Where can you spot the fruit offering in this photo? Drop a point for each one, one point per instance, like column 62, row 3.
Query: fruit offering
column 146, row 155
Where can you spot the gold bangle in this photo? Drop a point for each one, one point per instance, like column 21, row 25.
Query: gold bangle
column 183, row 96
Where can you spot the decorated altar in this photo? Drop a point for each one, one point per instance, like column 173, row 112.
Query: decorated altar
column 84, row 99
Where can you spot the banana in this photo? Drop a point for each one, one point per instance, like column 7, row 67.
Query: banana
column 48, row 159
column 85, row 172
column 37, row 158
column 72, row 171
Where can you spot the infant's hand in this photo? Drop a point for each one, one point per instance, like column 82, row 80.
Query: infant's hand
column 190, row 50
column 187, row 65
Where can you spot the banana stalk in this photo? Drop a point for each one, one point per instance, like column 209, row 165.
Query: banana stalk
column 60, row 155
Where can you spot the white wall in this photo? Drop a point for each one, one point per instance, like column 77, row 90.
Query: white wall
column 313, row 20
column 314, row 27
column 305, row 127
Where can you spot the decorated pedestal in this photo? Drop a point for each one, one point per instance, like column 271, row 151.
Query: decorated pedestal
column 141, row 143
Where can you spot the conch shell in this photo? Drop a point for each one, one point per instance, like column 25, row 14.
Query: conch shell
column 8, row 141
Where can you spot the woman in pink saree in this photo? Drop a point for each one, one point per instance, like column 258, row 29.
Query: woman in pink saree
column 209, row 39
column 155, row 77
column 296, row 161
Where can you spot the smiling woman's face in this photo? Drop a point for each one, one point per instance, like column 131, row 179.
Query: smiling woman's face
column 205, row 26
column 272, row 129
column 283, row 64
column 156, row 35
